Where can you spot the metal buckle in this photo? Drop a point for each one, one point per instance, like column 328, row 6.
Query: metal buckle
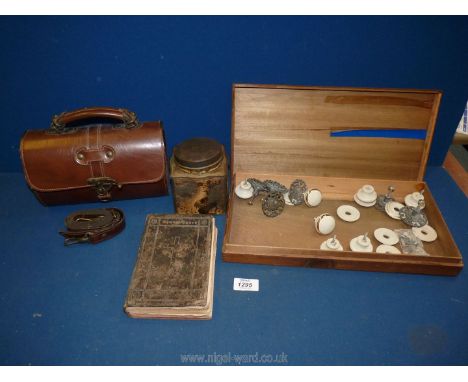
column 76, row 240
column 103, row 186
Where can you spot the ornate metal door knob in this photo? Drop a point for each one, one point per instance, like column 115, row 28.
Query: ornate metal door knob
column 296, row 192
column 273, row 204
column 413, row 216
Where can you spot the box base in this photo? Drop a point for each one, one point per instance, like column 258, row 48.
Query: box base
column 291, row 239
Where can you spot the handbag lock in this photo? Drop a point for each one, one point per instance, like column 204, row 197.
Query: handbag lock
column 103, row 185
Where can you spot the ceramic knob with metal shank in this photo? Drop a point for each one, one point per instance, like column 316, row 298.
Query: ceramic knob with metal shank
column 366, row 196
column 331, row 244
column 361, row 244
column 244, row 190
column 412, row 200
column 382, row 200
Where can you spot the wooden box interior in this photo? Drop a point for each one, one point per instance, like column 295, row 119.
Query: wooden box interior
column 285, row 132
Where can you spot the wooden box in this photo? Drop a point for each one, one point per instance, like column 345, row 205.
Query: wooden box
column 336, row 139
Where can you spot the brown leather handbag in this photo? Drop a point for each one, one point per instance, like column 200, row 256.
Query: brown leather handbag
column 75, row 162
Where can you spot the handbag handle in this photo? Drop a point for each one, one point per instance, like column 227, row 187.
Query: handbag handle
column 60, row 122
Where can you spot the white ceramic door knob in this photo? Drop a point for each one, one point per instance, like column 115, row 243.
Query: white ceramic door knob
column 332, row 244
column 413, row 199
column 244, row 190
column 361, row 243
column 366, row 196
column 312, row 198
column 324, row 224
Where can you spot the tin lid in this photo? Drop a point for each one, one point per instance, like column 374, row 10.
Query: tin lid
column 198, row 153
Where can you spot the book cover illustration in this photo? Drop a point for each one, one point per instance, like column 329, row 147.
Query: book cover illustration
column 174, row 261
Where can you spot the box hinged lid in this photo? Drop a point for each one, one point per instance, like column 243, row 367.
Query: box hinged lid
column 332, row 132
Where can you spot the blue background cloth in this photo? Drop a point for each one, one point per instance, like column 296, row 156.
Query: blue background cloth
column 64, row 305
column 180, row 69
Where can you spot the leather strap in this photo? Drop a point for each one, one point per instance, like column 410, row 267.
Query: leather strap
column 93, row 226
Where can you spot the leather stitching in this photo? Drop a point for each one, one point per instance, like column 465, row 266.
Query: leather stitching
column 99, row 146
column 88, row 147
column 162, row 175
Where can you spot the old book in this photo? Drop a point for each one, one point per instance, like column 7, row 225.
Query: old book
column 174, row 271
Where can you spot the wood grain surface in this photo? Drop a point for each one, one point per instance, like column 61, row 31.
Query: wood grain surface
column 290, row 239
column 286, row 130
